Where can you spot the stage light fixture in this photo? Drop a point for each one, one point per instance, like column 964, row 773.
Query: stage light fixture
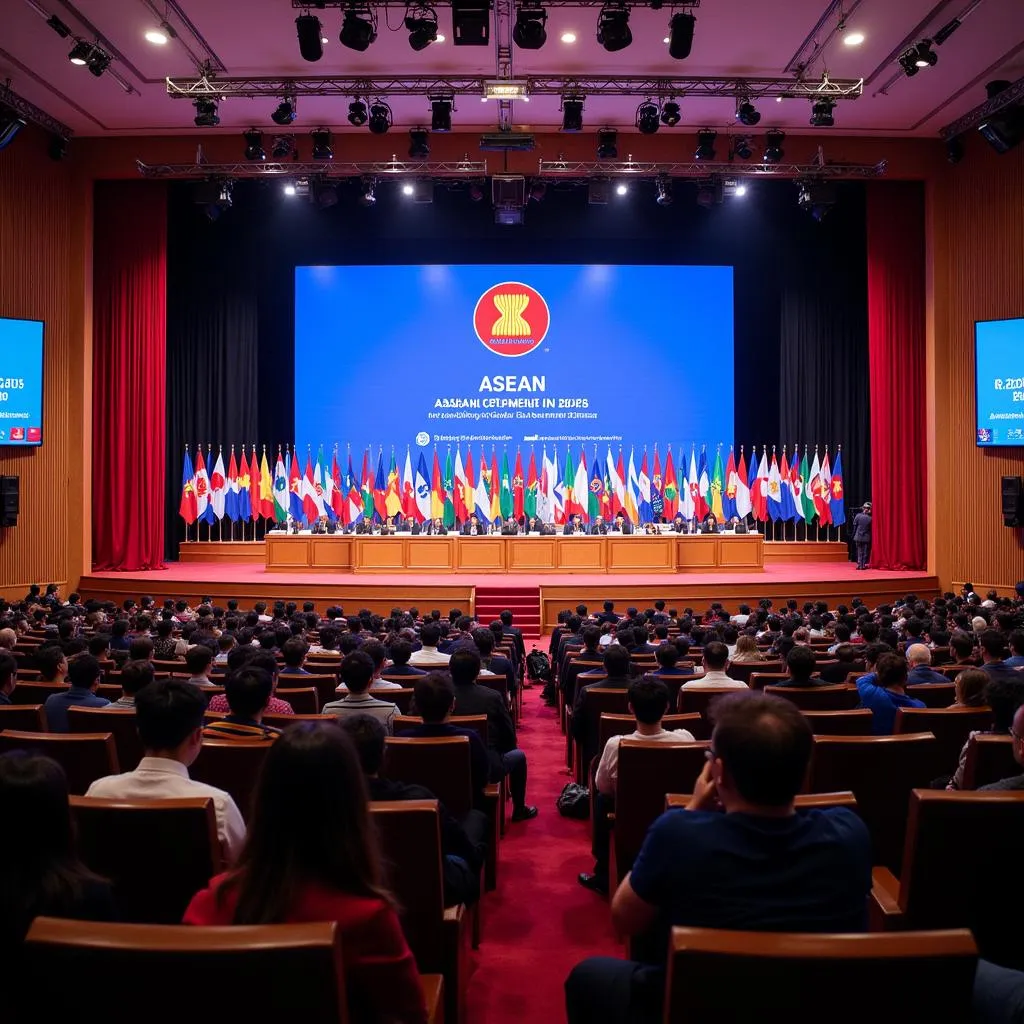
column 572, row 113
column 80, row 53
column 369, row 194
column 471, row 22
column 98, row 61
column 647, row 115
column 359, row 28
column 476, row 192
column 214, row 196
column 607, row 144
column 323, row 146
column 529, row 32
column 284, row 113
column 58, row 26
column 680, row 35
column 441, row 114
column 310, row 33
column 613, row 27
column 955, row 150
column 705, row 145
column 920, row 55
column 741, row 147
column 254, row 145
column 284, row 147
column 289, row 188
column 622, row 189
column 419, row 144
column 538, row 190
column 10, row 125
column 380, row 118
column 816, row 197
column 746, row 112
column 206, row 114
column 670, row 114
column 357, row 113
column 408, row 189
column 740, row 190
column 325, row 193
column 663, row 190
column 422, row 28
column 821, row 113
column 773, row 151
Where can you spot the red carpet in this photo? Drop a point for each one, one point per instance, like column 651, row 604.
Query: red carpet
column 539, row 923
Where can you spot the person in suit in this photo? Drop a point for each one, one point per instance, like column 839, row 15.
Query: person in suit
column 574, row 526
column 533, row 525
column 510, row 528
column 616, row 666
column 862, row 535
column 435, row 528
column 599, row 527
column 365, row 526
column 679, row 524
column 497, row 526
column 473, row 527
column 407, row 524
column 514, row 633
column 736, row 525
column 547, row 530
column 709, row 524
column 319, row 525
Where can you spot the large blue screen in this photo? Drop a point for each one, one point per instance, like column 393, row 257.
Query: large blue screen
column 518, row 356
column 999, row 381
column 21, row 382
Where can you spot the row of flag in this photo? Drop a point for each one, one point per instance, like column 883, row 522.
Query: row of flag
column 768, row 489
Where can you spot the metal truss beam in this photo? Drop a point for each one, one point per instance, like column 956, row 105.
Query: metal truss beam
column 469, row 169
column 30, row 112
column 644, row 169
column 317, row 5
column 1014, row 94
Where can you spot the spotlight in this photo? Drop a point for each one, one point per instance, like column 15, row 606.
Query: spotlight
column 380, row 118
column 647, row 118
column 705, row 145
column 98, row 61
column 471, row 22
column 746, row 113
column 357, row 113
column 607, row 144
column 308, row 28
column 622, row 189
column 741, row 147
column 773, row 151
column 955, row 150
column 816, row 197
column 408, row 189
column 10, row 125
column 419, row 144
column 710, row 193
column 422, row 28
column 369, row 196
column 663, row 191
column 441, row 115
column 326, row 194
column 254, row 145
column 359, row 29
column 323, row 148
column 613, row 28
column 206, row 114
column 740, row 190
column 529, row 32
column 284, row 113
column 80, row 53
column 572, row 114
column 284, row 147
column 921, row 55
column 214, row 196
column 670, row 114
column 680, row 35
column 290, row 189
column 821, row 113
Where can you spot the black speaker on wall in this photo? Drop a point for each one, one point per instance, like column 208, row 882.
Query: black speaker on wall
column 10, row 503
column 1013, row 507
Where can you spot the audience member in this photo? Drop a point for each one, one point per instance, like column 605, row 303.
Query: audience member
column 248, row 657
column 716, row 661
column 401, row 652
column 428, row 655
column 969, row 688
column 993, row 653
column 134, row 676
column 1004, row 697
column 52, row 664
column 84, row 675
column 801, row 665
column 887, row 694
column 919, row 660
column 746, row 650
column 1017, row 735
column 248, row 692
column 8, row 678
column 198, row 660
column 356, row 675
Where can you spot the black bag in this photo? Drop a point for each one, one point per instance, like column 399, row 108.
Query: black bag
column 574, row 801
column 538, row 667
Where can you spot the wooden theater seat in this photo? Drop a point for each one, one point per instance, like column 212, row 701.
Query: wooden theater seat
column 729, row 977
column 761, row 678
column 933, row 695
column 700, row 701
column 743, row 670
column 478, row 723
column 803, row 801
column 818, row 698
column 23, row 717
column 283, row 721
column 623, row 725
column 989, row 759
column 304, row 700
column 595, row 702
column 950, row 727
column 231, row 765
column 34, row 692
column 157, row 853
column 120, row 722
column 840, row 723
column 85, row 757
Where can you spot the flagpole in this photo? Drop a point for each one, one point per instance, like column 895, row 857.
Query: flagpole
column 817, row 517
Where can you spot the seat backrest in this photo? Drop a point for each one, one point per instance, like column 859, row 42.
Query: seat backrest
column 598, row 701
column 622, row 725
column 793, row 977
column 742, row 670
column 231, row 765
column 157, row 853
column 949, row 726
column 881, row 771
column 85, row 757
column 500, row 684
column 299, row 969
column 111, row 691
column 951, row 877
column 761, row 678
column 803, row 801
column 283, row 721
column 120, row 723
column 989, row 759
column 23, row 717
column 840, row 723
column 699, row 700
column 478, row 723
column 818, row 698
column 442, row 764
column 304, row 700
column 35, row 693
column 933, row 695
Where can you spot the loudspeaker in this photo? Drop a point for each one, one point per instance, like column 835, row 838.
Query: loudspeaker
column 1011, row 491
column 9, row 501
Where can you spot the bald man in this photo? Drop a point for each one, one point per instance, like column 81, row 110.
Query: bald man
column 919, row 660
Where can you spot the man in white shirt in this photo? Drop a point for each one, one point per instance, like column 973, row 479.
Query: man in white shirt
column 716, row 661
column 648, row 702
column 428, row 654
column 169, row 717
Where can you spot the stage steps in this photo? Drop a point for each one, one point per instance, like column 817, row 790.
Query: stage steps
column 523, row 602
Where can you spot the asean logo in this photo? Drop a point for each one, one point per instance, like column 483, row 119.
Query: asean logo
column 511, row 319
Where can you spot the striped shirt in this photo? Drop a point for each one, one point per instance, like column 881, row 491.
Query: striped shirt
column 232, row 728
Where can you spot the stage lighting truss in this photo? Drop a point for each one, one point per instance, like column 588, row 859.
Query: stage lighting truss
column 30, row 112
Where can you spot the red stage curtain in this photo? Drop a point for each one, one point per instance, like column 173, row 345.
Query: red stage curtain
column 896, row 346
column 129, row 375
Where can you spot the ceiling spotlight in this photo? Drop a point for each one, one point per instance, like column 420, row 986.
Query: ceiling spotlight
column 323, row 148
column 310, row 35
column 621, row 189
column 284, row 113
column 663, row 190
column 821, row 113
column 853, row 38
column 289, row 188
column 471, row 22
column 206, row 114
column 369, row 194
column 284, row 147
column 568, row 37
column 156, row 36
column 254, row 145
column 357, row 113
column 572, row 114
column 680, row 35
column 419, row 144
column 741, row 147
column 773, row 151
column 816, row 197
column 98, row 61
column 359, row 29
column 607, row 144
column 529, row 32
column 921, row 55
column 439, row 38
column 10, row 125
column 441, row 114
column 80, row 53
column 705, row 145
column 422, row 28
column 647, row 118
column 670, row 114
column 380, row 117
column 746, row 113
column 408, row 189
column 740, row 190
column 613, row 27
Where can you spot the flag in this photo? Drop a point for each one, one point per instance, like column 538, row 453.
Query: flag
column 615, row 485
column 319, row 483
column 470, row 496
column 448, row 516
column 596, row 495
column 806, row 498
column 310, row 509
column 203, row 511
column 703, row 486
column 825, row 510
column 459, row 489
column 761, row 499
column 643, row 502
column 279, row 512
column 774, row 493
column 218, row 487
column 837, row 502
column 353, row 501
column 495, row 487
column 366, row 487
column 581, row 488
column 557, row 493
column 631, row 491
column 532, row 487
column 657, row 489
column 505, row 498
column 568, row 485
column 814, row 486
column 408, row 487
column 482, row 492
column 796, row 486
column 671, row 489
column 294, row 489
column 392, row 496
column 518, row 495
column 731, row 486
column 545, row 510
column 255, row 485
column 688, row 505
column 742, row 488
column 786, row 480
column 337, row 490
column 717, row 484
column 380, row 489
column 422, row 489
column 244, row 483
column 187, row 507
column 606, row 494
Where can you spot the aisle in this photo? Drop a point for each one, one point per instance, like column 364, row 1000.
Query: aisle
column 540, row 922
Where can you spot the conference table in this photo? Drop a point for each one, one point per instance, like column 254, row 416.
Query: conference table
column 491, row 553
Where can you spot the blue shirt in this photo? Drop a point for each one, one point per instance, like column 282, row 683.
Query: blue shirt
column 882, row 704
column 1014, row 661
column 57, row 704
column 923, row 674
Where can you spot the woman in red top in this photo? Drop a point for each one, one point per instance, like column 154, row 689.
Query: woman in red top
column 311, row 855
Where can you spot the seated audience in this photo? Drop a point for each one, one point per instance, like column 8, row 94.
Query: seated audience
column 293, row 653
column 84, row 675
column 198, row 660
column 225, row 645
column 248, row 692
column 919, row 660
column 8, row 678
column 1004, row 697
column 746, row 650
column 249, row 657
column 52, row 664
column 667, row 656
column 845, row 655
column 886, row 694
column 1016, row 642
column 356, row 675
column 312, row 855
column 969, row 688
column 1017, row 734
column 401, row 652
column 993, row 653
column 801, row 665
column 428, row 655
column 165, row 646
column 617, row 677
column 134, row 676
column 716, row 661
column 376, row 652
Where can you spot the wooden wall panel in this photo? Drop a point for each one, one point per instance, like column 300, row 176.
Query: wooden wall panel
column 43, row 260
column 977, row 248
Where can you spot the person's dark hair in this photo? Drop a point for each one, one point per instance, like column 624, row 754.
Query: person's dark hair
column 98, row 644
column 434, row 695
column 464, row 666
column 506, row 617
column 430, row 635
column 716, row 655
column 591, row 636
column 140, row 649
column 84, row 672
column 1016, row 640
column 239, row 656
column 616, row 660
column 357, row 671
column 962, row 644
column 993, row 643
column 310, row 824
column 198, row 659
column 401, row 652
column 648, row 697
column 846, row 652
column 135, row 675
column 764, row 743
column 667, row 655
column 842, row 633
column 891, row 670
column 248, row 691
column 48, row 659
column 119, row 628
column 1004, row 696
column 368, row 735
column 167, row 712
column 294, row 652
column 484, row 640
column 8, row 667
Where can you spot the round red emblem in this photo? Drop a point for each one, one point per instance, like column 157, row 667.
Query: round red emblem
column 511, row 319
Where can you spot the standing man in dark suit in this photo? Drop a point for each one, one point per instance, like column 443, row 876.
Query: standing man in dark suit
column 862, row 535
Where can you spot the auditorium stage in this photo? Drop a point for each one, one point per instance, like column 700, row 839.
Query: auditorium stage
column 249, row 582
